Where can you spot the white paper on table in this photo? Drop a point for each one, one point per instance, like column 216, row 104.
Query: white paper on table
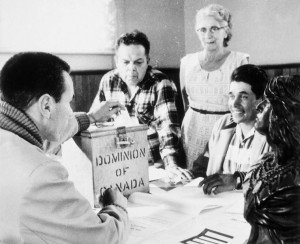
column 157, row 173
column 193, row 194
column 154, row 220
column 150, row 214
column 237, row 207
column 238, row 229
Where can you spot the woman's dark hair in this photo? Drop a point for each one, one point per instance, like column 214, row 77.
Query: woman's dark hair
column 27, row 76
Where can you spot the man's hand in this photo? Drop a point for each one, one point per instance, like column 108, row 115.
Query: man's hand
column 111, row 196
column 103, row 111
column 177, row 174
column 218, row 183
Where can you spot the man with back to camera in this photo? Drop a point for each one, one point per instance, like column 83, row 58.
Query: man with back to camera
column 147, row 94
column 234, row 144
column 38, row 203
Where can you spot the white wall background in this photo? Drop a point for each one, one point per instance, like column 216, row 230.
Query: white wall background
column 269, row 30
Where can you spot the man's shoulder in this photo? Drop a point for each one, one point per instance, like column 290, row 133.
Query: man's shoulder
column 17, row 150
column 157, row 75
column 158, row 80
column 110, row 75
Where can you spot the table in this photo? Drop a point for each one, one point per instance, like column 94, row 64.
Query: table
column 227, row 218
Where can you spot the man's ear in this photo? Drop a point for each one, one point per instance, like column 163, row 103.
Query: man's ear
column 46, row 105
column 148, row 59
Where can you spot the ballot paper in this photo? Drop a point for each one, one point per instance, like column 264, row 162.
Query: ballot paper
column 123, row 119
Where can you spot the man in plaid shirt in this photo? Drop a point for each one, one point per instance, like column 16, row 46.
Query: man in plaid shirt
column 148, row 95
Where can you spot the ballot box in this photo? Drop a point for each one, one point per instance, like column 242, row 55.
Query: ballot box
column 119, row 157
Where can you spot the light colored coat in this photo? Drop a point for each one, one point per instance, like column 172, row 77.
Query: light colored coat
column 219, row 142
column 38, row 204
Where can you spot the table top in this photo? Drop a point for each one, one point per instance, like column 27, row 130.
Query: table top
column 222, row 214
column 181, row 211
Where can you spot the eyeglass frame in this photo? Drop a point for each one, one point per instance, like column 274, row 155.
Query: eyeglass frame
column 211, row 30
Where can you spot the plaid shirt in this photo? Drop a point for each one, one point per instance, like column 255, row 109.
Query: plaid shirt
column 153, row 104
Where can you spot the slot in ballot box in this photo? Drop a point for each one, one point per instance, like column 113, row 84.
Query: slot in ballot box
column 119, row 157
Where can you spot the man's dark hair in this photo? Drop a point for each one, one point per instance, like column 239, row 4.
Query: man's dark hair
column 27, row 76
column 134, row 38
column 252, row 75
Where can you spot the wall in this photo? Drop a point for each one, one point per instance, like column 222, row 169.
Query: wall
column 81, row 32
column 162, row 21
column 266, row 29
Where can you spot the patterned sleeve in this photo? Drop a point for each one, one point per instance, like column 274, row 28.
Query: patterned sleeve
column 101, row 92
column 82, row 120
column 165, row 113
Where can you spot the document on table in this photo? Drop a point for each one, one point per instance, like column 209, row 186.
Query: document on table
column 208, row 236
column 226, row 230
column 153, row 213
column 147, row 220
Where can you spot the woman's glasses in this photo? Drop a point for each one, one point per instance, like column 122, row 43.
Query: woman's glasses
column 212, row 29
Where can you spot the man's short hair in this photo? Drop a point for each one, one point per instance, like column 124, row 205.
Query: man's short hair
column 27, row 76
column 252, row 75
column 134, row 38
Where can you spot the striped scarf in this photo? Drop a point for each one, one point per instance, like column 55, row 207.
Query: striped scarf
column 19, row 123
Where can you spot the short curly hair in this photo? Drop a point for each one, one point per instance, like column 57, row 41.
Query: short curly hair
column 27, row 76
column 221, row 14
column 134, row 38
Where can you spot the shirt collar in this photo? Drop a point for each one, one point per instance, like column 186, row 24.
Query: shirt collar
column 240, row 135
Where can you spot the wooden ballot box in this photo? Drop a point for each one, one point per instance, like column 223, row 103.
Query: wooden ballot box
column 119, row 157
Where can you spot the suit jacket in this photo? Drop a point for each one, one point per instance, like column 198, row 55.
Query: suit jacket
column 40, row 205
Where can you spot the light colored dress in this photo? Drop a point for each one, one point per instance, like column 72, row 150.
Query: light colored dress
column 206, row 91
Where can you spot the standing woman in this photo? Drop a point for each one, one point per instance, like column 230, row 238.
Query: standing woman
column 205, row 79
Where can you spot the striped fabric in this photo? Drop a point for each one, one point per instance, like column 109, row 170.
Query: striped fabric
column 238, row 157
column 18, row 122
column 153, row 104
column 83, row 121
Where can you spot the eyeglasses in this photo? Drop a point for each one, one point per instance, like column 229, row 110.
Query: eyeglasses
column 212, row 29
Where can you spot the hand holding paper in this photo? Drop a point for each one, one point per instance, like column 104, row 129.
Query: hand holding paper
column 123, row 119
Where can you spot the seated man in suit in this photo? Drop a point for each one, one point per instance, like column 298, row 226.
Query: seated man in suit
column 234, row 144
column 149, row 95
column 38, row 203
